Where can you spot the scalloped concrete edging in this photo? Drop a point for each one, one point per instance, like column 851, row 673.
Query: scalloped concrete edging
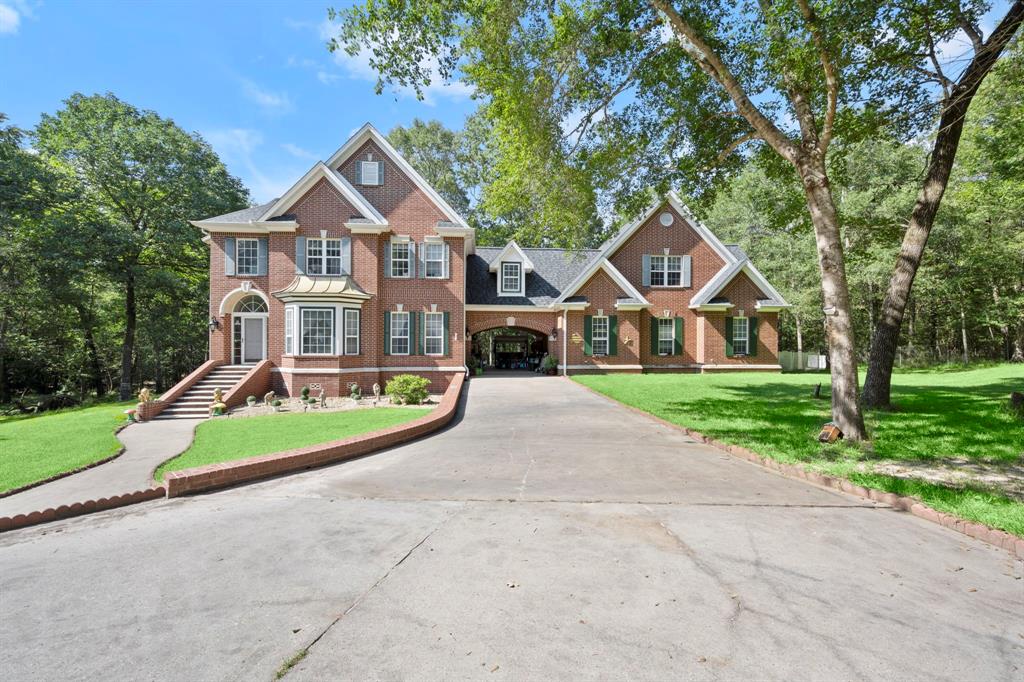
column 67, row 511
column 65, row 474
column 979, row 531
column 213, row 476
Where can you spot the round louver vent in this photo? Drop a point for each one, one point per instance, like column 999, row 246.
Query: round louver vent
column 667, row 219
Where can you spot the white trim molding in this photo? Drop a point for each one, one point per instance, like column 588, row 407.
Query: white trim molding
column 360, row 370
column 235, row 295
column 498, row 308
column 312, row 176
column 727, row 274
column 512, row 249
column 251, row 227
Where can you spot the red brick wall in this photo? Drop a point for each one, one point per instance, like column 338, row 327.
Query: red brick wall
column 410, row 212
column 653, row 238
column 601, row 291
column 743, row 293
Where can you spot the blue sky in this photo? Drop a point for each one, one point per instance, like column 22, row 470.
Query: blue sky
column 254, row 78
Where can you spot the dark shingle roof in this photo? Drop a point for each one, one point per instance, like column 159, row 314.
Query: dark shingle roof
column 737, row 251
column 243, row 216
column 553, row 270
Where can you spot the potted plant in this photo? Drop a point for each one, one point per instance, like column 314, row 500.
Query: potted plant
column 549, row 365
column 276, row 405
column 251, row 401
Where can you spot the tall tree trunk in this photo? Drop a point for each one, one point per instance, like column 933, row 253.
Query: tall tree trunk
column 878, row 385
column 128, row 344
column 836, row 300
column 963, row 334
column 92, row 355
column 5, row 394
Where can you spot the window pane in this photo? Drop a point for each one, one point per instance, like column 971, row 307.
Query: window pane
column 666, row 336
column 399, row 333
column 399, row 260
column 740, row 328
column 674, row 268
column 314, row 256
column 246, row 256
column 510, row 277
column 289, row 333
column 599, row 335
column 332, row 249
column 351, row 332
column 434, row 259
column 317, row 331
column 657, row 271
column 433, row 334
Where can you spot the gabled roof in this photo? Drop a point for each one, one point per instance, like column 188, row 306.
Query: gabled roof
column 315, row 174
column 244, row 216
column 368, row 132
column 710, row 291
column 612, row 245
column 553, row 269
column 512, row 248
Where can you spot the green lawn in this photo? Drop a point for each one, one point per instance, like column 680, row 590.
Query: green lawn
column 939, row 415
column 36, row 448
column 225, row 440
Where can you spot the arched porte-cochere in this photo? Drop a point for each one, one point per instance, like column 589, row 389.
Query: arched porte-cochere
column 510, row 348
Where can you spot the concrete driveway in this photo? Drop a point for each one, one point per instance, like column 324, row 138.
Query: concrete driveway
column 548, row 534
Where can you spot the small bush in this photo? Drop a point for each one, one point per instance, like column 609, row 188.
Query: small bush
column 276, row 403
column 408, row 389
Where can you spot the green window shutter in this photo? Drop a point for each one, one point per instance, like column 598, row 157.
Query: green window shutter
column 447, row 350
column 613, row 334
column 414, row 342
column 752, row 343
column 678, row 350
column 588, row 339
column 654, row 335
column 728, row 337
column 387, row 259
column 421, row 329
column 387, row 333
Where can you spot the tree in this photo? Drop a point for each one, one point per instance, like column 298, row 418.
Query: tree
column 436, row 153
column 141, row 178
column 956, row 100
column 668, row 95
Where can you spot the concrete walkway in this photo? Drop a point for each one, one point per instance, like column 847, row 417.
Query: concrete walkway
column 146, row 444
column 548, row 534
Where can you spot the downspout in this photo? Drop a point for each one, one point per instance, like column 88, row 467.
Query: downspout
column 565, row 342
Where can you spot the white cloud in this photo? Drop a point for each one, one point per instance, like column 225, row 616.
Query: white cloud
column 297, row 151
column 357, row 67
column 327, row 78
column 270, row 102
column 236, row 147
column 10, row 19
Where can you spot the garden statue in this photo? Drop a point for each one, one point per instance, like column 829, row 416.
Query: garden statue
column 376, row 393
column 323, row 398
column 145, row 395
column 217, row 407
column 268, row 398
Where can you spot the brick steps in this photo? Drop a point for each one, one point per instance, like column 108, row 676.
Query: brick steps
column 195, row 402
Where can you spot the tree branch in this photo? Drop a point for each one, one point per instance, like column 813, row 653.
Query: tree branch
column 831, row 79
column 733, row 146
column 711, row 63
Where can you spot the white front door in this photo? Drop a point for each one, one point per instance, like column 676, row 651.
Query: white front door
column 253, row 341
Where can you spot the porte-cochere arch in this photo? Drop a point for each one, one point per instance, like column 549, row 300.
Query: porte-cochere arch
column 540, row 322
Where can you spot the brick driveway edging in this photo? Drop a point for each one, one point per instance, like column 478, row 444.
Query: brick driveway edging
column 979, row 531
column 212, row 476
column 67, row 511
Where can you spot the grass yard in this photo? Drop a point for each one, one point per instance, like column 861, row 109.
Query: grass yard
column 36, row 448
column 939, row 415
column 225, row 440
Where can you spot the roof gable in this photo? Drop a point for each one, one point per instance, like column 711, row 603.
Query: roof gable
column 368, row 132
column 306, row 182
column 512, row 249
column 727, row 274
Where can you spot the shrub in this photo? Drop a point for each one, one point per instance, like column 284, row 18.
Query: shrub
column 408, row 389
column 305, row 392
column 550, row 363
column 276, row 403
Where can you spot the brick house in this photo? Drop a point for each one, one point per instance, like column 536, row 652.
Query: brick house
column 362, row 271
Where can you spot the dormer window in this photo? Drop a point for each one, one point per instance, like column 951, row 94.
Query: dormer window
column 370, row 173
column 511, row 278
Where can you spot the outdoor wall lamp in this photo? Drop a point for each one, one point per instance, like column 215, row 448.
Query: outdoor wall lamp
column 214, row 324
column 554, row 334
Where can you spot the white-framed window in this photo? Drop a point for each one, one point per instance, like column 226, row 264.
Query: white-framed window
column 317, row 331
column 433, row 260
column 400, row 333
column 247, row 256
column 289, row 331
column 433, row 333
column 666, row 271
column 369, row 173
column 599, row 335
column 400, row 254
column 741, row 336
column 351, row 331
column 666, row 336
column 511, row 277
column 323, row 256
